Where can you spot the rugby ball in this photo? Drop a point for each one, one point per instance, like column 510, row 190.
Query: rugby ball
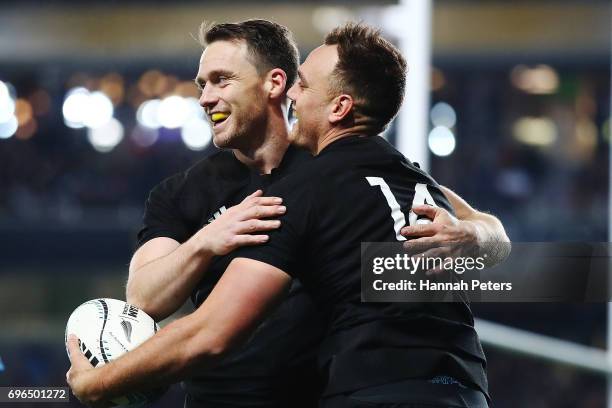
column 108, row 328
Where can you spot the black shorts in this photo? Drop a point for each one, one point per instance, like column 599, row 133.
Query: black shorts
column 410, row 394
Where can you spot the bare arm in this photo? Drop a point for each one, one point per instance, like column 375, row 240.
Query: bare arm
column 163, row 272
column 472, row 230
column 487, row 228
column 245, row 294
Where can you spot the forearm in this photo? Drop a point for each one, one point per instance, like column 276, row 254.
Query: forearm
column 491, row 238
column 487, row 227
column 489, row 234
column 169, row 356
column 161, row 286
column 198, row 341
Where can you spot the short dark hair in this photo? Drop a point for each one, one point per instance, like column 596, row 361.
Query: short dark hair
column 270, row 45
column 370, row 69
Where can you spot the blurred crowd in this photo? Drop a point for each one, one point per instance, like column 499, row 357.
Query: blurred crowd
column 537, row 160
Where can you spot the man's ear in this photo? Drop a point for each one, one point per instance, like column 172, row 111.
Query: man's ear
column 342, row 106
column 276, row 82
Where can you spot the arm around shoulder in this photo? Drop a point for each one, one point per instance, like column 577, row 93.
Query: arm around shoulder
column 491, row 237
column 163, row 272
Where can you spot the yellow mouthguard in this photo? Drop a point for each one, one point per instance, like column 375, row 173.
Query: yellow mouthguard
column 217, row 116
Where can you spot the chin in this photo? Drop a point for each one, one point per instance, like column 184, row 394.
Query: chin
column 224, row 139
column 294, row 134
column 221, row 142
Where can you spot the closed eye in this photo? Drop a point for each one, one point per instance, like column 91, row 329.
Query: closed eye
column 301, row 81
column 200, row 84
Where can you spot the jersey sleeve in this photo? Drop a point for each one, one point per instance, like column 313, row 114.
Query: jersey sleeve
column 162, row 216
column 433, row 189
column 440, row 198
column 288, row 244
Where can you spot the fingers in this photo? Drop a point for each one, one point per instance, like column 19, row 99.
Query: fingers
column 263, row 211
column 256, row 206
column 427, row 210
column 73, row 346
column 420, row 230
column 77, row 359
column 267, row 201
column 248, row 240
column 437, row 215
column 420, row 245
column 245, row 229
column 257, row 198
column 257, row 193
column 251, row 226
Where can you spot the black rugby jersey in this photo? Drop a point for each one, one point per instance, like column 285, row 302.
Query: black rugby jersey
column 277, row 368
column 334, row 203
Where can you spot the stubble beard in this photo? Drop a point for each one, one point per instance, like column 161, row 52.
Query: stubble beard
column 246, row 133
column 304, row 137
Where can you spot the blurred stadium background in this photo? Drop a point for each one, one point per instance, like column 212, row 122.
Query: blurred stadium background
column 97, row 104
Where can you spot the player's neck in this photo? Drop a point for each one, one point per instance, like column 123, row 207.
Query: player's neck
column 335, row 134
column 269, row 151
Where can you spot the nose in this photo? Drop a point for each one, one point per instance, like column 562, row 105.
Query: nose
column 208, row 97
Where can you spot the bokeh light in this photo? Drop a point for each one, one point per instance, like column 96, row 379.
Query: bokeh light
column 8, row 128
column 535, row 131
column 438, row 80
column 83, row 108
column 73, row 105
column 147, row 114
column 104, row 138
column 196, row 134
column 441, row 141
column 98, row 110
column 442, row 114
column 540, row 80
column 173, row 112
column 113, row 86
column 23, row 111
column 7, row 103
column 26, row 131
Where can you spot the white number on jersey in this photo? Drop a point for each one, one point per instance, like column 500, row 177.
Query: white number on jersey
column 399, row 220
column 421, row 196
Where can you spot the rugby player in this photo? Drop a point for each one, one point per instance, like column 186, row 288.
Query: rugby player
column 229, row 332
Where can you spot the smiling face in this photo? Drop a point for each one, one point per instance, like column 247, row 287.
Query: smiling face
column 311, row 98
column 232, row 94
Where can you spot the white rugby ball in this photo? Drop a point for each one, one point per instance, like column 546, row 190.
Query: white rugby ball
column 108, row 328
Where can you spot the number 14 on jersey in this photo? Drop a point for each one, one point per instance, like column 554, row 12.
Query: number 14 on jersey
column 421, row 196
